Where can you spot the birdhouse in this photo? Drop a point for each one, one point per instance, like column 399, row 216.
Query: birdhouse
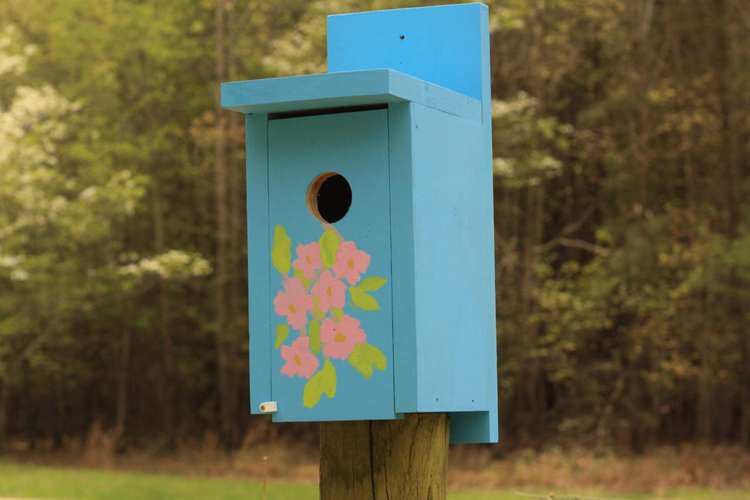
column 370, row 225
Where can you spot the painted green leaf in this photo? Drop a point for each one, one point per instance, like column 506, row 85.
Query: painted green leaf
column 301, row 276
column 365, row 357
column 329, row 245
column 282, row 332
column 315, row 336
column 281, row 254
column 372, row 283
column 323, row 382
column 316, row 312
column 363, row 300
column 337, row 313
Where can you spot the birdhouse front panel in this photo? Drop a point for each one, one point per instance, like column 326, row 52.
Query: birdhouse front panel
column 330, row 259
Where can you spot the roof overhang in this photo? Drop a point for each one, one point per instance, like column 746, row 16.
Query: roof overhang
column 344, row 89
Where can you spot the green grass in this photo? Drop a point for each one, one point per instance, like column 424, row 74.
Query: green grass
column 27, row 481
column 542, row 493
column 61, row 483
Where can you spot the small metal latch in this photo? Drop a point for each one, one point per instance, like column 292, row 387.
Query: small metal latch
column 269, row 407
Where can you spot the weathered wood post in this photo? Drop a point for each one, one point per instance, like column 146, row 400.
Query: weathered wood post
column 370, row 247
column 405, row 458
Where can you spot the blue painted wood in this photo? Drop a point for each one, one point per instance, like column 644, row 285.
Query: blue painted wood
column 258, row 243
column 353, row 88
column 454, row 352
column 402, row 237
column 422, row 182
column 441, row 45
column 354, row 145
column 472, row 427
column 446, row 156
column 452, row 261
column 454, row 278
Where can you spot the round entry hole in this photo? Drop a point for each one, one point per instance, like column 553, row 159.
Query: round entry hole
column 329, row 197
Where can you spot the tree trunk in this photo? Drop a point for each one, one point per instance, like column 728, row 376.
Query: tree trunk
column 123, row 377
column 405, row 459
column 745, row 412
column 4, row 393
column 226, row 395
column 167, row 379
column 728, row 194
column 30, row 409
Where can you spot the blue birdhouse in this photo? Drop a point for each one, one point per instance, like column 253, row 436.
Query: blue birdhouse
column 370, row 225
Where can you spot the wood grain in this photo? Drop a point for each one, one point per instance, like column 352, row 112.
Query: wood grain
column 405, row 459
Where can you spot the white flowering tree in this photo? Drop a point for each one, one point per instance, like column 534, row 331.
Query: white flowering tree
column 62, row 251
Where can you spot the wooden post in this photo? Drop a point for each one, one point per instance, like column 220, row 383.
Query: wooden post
column 404, row 459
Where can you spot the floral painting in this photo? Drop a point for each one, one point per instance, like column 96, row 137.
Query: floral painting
column 317, row 336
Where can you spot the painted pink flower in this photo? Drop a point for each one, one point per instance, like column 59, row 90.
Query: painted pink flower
column 340, row 336
column 350, row 262
column 299, row 360
column 308, row 259
column 294, row 303
column 330, row 292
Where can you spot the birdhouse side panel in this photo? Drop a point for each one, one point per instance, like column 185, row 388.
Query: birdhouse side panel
column 454, row 262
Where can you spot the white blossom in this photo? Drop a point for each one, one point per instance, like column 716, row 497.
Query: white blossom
column 173, row 264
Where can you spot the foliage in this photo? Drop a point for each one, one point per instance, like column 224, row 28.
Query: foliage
column 621, row 209
column 621, row 214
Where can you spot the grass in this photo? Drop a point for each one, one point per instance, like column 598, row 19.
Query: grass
column 27, row 481
column 41, row 482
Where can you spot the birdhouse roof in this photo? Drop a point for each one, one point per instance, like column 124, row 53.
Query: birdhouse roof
column 343, row 89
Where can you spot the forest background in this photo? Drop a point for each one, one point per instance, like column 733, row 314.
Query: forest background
column 622, row 219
